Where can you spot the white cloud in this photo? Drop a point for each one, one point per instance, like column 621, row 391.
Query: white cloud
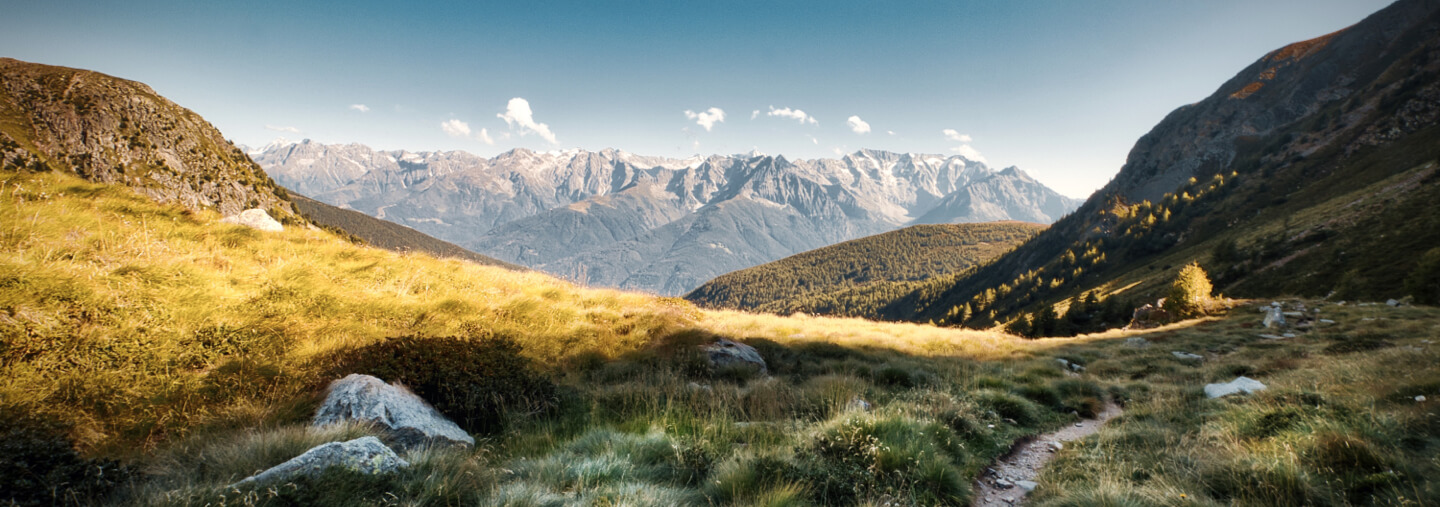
column 360, row 107
column 965, row 150
column 754, row 114
column 813, row 139
column 839, row 152
column 707, row 118
column 858, row 125
column 891, row 132
column 456, row 128
column 518, row 113
column 970, row 153
column 795, row 114
column 484, row 137
column 277, row 128
column 953, row 135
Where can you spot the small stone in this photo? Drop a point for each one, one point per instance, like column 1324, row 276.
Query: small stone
column 726, row 352
column 1063, row 363
column 1420, row 398
column 1272, row 337
column 1274, row 318
column 1326, row 321
column 1245, row 385
column 1077, row 425
column 1028, row 486
column 1056, row 446
column 991, row 426
column 1076, row 368
column 1392, row 302
column 366, row 455
column 1289, row 335
column 1275, row 304
column 1186, row 356
column 1004, row 484
column 1293, row 314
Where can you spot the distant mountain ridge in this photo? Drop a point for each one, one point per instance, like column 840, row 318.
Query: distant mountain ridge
column 612, row 218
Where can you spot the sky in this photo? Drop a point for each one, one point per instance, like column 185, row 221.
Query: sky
column 1060, row 88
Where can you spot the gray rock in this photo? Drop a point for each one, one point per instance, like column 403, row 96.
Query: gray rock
column 1293, row 314
column 1077, row 368
column 1137, row 342
column 1003, row 483
column 1272, row 337
column 1326, row 321
column 1420, row 398
column 408, row 419
column 1063, row 363
column 1028, row 486
column 1392, row 302
column 1245, row 385
column 1187, row 356
column 1056, row 446
column 1274, row 318
column 728, row 352
column 255, row 219
column 366, row 455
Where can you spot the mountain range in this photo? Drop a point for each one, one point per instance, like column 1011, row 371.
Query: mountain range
column 616, row 219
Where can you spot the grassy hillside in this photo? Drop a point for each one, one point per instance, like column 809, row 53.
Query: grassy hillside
column 192, row 352
column 384, row 234
column 907, row 255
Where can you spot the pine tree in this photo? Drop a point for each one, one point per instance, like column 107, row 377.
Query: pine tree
column 1190, row 292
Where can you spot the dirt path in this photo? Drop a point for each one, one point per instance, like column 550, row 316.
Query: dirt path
column 1006, row 482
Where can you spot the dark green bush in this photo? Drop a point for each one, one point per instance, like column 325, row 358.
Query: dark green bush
column 476, row 382
column 1424, row 281
column 1009, row 406
column 39, row 465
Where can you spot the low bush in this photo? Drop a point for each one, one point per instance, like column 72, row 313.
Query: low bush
column 478, row 382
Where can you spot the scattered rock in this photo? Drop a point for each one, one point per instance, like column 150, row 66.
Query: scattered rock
column 1149, row 316
column 1272, row 337
column 1137, row 342
column 1288, row 335
column 1274, row 318
column 1326, row 321
column 1244, row 385
column 858, row 404
column 408, row 419
column 366, row 455
column 1063, row 363
column 1392, row 302
column 1187, row 356
column 1002, row 483
column 1056, row 446
column 1420, row 398
column 255, row 218
column 729, row 352
column 1028, row 486
column 1293, row 314
column 1076, row 368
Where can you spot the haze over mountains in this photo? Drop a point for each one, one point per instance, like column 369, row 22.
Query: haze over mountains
column 612, row 218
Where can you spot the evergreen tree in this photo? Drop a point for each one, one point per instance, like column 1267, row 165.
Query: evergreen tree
column 1189, row 293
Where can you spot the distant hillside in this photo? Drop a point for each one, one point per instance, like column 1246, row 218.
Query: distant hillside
column 907, row 255
column 383, row 234
column 1310, row 172
column 111, row 130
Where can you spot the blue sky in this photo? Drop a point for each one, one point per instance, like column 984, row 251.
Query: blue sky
column 1060, row 88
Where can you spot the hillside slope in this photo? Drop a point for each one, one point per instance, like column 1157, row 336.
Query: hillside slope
column 111, row 130
column 383, row 234
column 910, row 254
column 1310, row 171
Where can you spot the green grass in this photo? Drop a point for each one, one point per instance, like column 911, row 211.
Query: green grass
column 194, row 354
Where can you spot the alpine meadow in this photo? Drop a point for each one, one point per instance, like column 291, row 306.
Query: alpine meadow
column 496, row 304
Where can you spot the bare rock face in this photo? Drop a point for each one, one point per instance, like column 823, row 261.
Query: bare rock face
column 408, row 419
column 728, row 352
column 366, row 455
column 111, row 130
column 255, row 219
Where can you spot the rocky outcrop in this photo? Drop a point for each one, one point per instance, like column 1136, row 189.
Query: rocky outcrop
column 366, row 455
column 724, row 353
column 255, row 219
column 407, row 420
column 111, row 130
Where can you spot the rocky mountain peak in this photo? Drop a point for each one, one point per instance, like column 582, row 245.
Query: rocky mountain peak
column 111, row 130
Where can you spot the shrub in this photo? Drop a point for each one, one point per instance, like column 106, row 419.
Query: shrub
column 476, row 382
column 1190, row 293
column 1022, row 411
column 39, row 465
column 1424, row 281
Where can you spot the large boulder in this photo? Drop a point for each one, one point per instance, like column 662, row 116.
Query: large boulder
column 728, row 352
column 409, row 421
column 1244, row 385
column 366, row 455
column 255, row 219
